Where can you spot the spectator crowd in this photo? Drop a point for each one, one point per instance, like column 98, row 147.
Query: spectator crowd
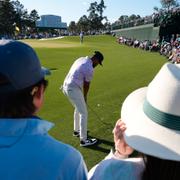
column 170, row 49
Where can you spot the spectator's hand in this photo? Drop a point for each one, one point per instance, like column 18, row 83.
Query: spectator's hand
column 120, row 145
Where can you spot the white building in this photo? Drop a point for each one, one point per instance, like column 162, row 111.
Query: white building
column 51, row 21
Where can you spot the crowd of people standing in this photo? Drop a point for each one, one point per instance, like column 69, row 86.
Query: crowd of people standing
column 170, row 49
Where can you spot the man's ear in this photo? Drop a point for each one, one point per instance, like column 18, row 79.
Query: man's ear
column 38, row 97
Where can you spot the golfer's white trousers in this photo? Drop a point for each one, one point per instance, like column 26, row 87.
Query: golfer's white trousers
column 76, row 98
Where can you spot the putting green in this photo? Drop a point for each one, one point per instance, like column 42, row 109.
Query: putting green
column 51, row 43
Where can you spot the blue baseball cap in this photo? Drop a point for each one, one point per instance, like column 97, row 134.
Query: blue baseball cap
column 19, row 66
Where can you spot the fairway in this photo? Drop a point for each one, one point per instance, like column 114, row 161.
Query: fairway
column 124, row 70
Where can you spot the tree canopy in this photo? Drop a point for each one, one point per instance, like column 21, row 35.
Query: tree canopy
column 14, row 17
column 168, row 18
column 94, row 21
column 7, row 18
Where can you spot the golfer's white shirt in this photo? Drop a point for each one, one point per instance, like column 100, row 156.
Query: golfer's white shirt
column 80, row 71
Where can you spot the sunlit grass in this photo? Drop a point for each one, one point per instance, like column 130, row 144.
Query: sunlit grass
column 124, row 70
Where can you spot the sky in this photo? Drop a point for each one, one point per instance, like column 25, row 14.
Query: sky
column 72, row 10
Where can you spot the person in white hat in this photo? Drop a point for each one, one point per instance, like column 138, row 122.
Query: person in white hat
column 150, row 124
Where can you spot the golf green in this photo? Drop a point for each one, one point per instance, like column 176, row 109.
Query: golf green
column 124, row 70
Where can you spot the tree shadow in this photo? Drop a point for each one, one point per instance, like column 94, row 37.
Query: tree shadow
column 53, row 69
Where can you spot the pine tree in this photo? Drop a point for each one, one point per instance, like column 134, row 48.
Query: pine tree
column 6, row 18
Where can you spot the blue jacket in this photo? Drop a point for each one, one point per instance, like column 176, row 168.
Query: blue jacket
column 28, row 152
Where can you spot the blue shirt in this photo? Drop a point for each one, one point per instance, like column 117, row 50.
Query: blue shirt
column 28, row 152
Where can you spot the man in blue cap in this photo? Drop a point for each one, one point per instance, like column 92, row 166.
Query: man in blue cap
column 26, row 149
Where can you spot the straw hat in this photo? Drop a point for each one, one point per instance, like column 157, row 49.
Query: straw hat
column 152, row 115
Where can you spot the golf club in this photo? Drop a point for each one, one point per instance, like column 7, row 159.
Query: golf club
column 100, row 119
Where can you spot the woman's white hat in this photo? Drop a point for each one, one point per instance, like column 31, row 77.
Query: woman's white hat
column 152, row 115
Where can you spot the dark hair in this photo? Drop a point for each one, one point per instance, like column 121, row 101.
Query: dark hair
column 156, row 168
column 19, row 104
column 98, row 55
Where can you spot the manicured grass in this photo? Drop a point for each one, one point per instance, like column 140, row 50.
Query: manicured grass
column 124, row 70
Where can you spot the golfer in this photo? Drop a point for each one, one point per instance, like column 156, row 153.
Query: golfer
column 81, row 35
column 75, row 87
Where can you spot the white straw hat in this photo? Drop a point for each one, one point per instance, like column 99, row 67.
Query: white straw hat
column 152, row 115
